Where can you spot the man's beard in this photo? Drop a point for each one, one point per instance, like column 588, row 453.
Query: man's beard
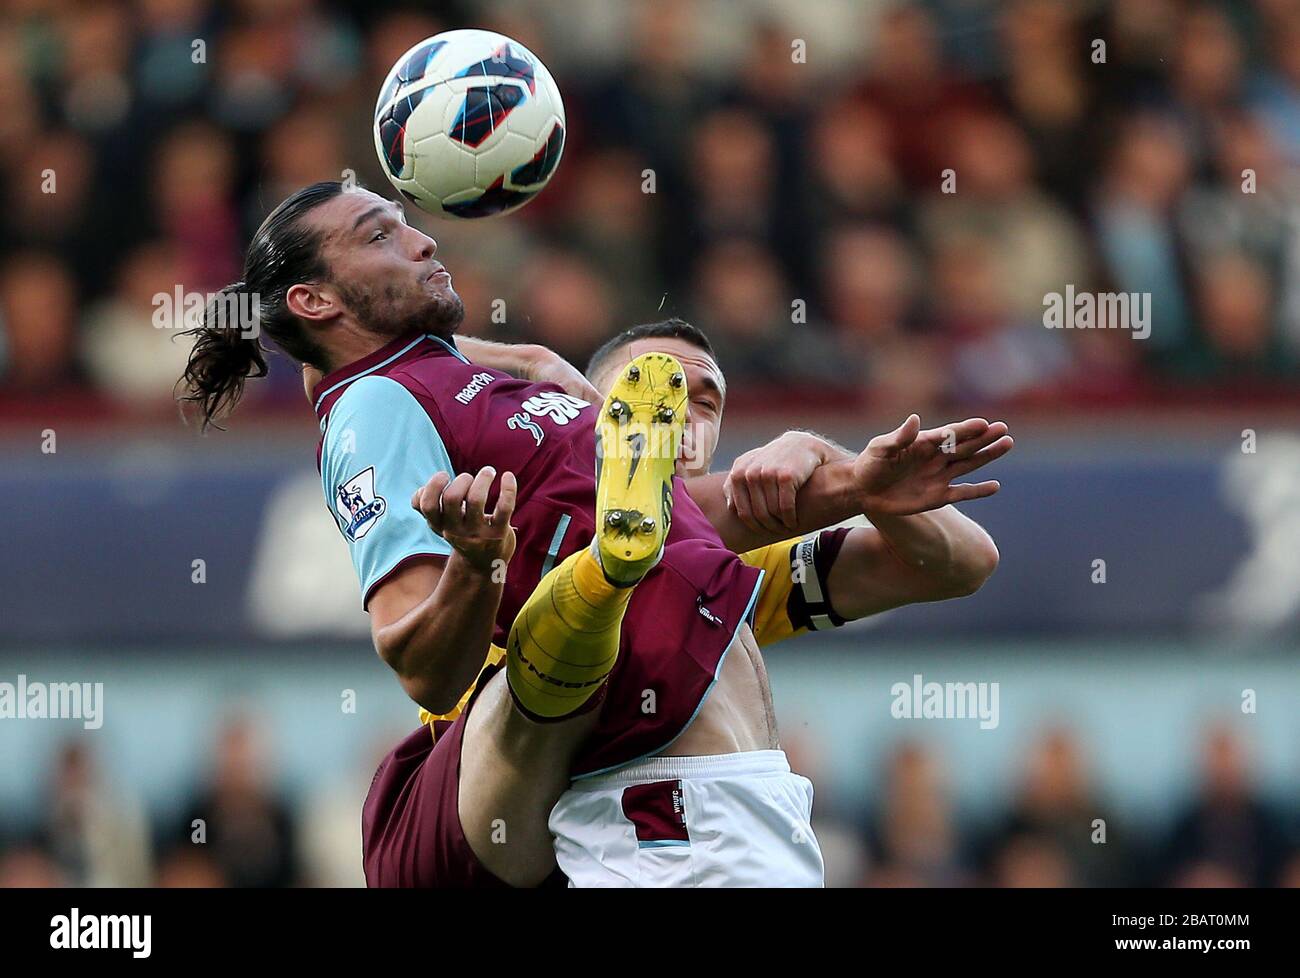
column 440, row 315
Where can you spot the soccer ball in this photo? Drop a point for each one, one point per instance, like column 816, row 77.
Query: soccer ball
column 469, row 124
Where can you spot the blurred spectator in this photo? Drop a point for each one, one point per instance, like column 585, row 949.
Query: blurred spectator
column 852, row 171
column 1037, row 247
column 871, row 284
column 49, row 193
column 994, row 354
column 194, row 180
column 98, row 836
column 917, row 93
column 1236, row 338
column 96, row 38
column 1207, row 72
column 329, row 824
column 243, row 827
column 20, row 109
column 190, row 869
column 1227, row 835
column 566, row 305
column 1137, row 196
column 1029, row 860
column 168, row 74
column 1057, row 830
column 305, row 146
column 742, row 300
column 133, row 346
column 38, row 305
column 915, row 839
column 1046, row 91
column 611, row 225
column 733, row 177
column 1276, row 92
column 28, row 867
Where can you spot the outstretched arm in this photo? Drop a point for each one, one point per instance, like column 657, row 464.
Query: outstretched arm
column 904, row 472
column 902, row 560
column 905, row 556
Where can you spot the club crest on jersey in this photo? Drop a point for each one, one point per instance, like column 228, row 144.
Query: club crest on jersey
column 358, row 506
column 559, row 407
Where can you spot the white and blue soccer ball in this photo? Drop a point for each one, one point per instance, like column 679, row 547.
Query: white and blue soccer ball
column 469, row 124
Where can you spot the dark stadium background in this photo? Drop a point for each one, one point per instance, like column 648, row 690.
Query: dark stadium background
column 780, row 184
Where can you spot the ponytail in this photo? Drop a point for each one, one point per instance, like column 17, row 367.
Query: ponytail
column 226, row 353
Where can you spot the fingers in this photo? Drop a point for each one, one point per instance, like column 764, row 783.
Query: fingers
column 780, row 486
column 555, row 369
column 505, row 507
column 427, row 500
column 954, row 434
column 743, row 503
column 458, row 505
column 735, row 489
column 476, row 497
column 582, row 389
column 967, row 491
column 971, row 445
column 764, row 499
column 786, row 492
column 572, row 381
column 452, row 502
column 905, row 433
column 746, row 499
column 990, row 454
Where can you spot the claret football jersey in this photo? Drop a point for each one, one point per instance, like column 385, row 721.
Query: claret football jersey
column 416, row 407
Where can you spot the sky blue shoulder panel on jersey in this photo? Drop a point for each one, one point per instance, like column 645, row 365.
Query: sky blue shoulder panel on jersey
column 380, row 446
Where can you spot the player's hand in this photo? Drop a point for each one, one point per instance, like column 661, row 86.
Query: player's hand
column 455, row 508
column 762, row 484
column 910, row 471
column 548, row 367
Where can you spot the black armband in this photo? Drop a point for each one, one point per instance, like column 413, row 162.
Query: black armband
column 811, row 559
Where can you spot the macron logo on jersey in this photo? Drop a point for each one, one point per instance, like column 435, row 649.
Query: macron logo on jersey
column 357, row 505
column 476, row 384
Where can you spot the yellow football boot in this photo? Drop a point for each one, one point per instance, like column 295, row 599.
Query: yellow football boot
column 638, row 440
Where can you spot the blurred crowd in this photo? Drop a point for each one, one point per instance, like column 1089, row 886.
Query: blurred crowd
column 239, row 826
column 799, row 211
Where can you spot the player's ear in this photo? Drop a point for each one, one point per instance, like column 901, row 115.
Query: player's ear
column 312, row 302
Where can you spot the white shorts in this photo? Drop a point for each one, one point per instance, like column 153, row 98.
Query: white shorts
column 730, row 820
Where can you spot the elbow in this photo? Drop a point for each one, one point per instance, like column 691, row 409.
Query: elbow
column 982, row 563
column 434, row 697
column 974, row 569
column 436, row 701
column 431, row 696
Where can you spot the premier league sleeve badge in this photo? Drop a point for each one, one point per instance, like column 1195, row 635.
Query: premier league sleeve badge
column 358, row 507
